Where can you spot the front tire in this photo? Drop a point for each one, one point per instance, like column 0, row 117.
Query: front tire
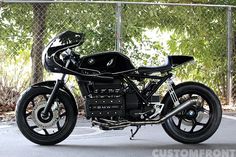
column 45, row 131
column 198, row 122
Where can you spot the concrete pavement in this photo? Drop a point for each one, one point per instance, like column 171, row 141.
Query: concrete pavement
column 92, row 142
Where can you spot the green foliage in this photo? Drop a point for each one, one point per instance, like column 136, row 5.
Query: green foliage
column 15, row 28
column 96, row 21
column 196, row 31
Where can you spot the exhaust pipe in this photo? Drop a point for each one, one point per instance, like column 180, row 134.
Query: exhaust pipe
column 178, row 109
column 109, row 124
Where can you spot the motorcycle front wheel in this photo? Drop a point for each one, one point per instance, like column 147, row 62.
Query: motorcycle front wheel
column 198, row 122
column 49, row 130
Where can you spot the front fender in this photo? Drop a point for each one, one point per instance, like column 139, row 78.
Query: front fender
column 51, row 84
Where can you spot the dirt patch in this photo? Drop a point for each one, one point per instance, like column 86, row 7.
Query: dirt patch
column 7, row 116
column 8, row 99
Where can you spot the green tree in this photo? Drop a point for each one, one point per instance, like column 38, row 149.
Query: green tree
column 38, row 31
column 197, row 31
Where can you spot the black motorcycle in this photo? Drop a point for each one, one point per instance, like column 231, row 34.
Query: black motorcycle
column 117, row 95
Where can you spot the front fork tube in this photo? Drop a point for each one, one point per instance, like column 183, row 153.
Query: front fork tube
column 52, row 96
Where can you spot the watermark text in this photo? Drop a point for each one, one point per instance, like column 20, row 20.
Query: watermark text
column 194, row 153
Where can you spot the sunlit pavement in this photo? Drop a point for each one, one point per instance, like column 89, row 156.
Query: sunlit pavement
column 86, row 141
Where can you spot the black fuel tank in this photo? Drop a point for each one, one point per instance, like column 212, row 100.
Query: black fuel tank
column 112, row 62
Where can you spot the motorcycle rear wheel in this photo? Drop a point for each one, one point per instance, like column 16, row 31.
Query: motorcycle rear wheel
column 198, row 122
column 45, row 131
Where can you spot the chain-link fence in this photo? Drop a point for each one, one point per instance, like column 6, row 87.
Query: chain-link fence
column 146, row 32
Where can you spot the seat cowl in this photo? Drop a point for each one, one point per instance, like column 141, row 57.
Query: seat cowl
column 177, row 60
column 172, row 61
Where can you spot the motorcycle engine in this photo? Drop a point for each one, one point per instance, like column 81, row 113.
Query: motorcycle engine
column 105, row 100
column 116, row 101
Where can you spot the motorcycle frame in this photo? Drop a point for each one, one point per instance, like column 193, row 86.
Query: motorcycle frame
column 126, row 77
column 156, row 84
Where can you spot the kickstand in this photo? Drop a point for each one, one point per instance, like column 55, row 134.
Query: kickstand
column 135, row 132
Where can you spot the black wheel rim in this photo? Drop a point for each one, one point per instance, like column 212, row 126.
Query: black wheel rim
column 55, row 127
column 194, row 119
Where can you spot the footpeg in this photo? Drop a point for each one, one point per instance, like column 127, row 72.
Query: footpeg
column 157, row 110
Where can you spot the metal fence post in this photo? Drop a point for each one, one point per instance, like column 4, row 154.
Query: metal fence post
column 229, row 55
column 118, row 26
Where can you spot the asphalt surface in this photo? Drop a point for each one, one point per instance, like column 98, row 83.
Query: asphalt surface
column 92, row 142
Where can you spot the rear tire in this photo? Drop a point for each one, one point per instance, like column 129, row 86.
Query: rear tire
column 174, row 126
column 28, row 112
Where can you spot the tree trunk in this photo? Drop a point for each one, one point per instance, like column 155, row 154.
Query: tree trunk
column 234, row 68
column 224, row 87
column 38, row 29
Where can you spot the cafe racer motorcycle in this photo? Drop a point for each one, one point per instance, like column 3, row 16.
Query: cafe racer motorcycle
column 117, row 95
